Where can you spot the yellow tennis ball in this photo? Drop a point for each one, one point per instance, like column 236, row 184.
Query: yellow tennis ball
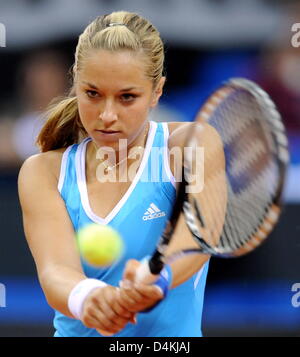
column 100, row 245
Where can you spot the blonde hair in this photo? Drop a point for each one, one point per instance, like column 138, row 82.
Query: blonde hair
column 114, row 32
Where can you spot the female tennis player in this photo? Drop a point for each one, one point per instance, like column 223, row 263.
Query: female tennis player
column 118, row 79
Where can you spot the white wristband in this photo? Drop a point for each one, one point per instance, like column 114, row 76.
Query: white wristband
column 79, row 294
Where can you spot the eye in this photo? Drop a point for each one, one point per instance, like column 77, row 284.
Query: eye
column 128, row 97
column 91, row 93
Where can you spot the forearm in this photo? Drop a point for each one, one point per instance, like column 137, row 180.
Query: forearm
column 57, row 282
column 184, row 268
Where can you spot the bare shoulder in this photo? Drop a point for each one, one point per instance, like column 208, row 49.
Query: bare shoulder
column 179, row 130
column 206, row 135
column 42, row 166
column 174, row 125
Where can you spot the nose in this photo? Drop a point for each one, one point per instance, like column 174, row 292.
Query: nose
column 108, row 113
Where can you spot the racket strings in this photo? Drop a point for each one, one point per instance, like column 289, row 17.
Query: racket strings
column 252, row 197
column 235, row 106
column 238, row 217
column 251, row 171
column 246, row 208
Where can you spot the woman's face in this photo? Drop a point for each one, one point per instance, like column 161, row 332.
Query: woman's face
column 115, row 96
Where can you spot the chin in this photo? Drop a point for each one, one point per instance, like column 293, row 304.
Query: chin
column 114, row 145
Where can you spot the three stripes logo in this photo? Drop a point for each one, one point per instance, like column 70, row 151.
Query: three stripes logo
column 153, row 212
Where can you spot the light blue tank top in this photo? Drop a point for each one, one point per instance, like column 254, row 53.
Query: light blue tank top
column 139, row 217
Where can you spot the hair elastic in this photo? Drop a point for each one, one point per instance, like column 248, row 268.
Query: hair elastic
column 115, row 24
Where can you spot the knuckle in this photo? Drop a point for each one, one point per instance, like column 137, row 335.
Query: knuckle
column 87, row 322
column 158, row 295
column 110, row 325
column 125, row 300
column 111, row 315
column 89, row 310
column 157, row 292
column 94, row 299
column 120, row 311
column 124, row 312
column 132, row 308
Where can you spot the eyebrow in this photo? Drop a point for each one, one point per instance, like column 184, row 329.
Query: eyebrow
column 122, row 90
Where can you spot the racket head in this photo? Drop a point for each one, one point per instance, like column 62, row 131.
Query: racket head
column 243, row 169
column 255, row 147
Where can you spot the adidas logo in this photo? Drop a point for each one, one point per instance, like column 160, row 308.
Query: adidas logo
column 153, row 212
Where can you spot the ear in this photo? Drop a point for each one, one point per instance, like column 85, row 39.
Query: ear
column 157, row 92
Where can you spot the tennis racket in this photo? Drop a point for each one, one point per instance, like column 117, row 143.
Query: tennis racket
column 246, row 163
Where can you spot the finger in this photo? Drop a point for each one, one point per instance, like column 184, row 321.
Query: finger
column 98, row 312
column 90, row 318
column 90, row 321
column 139, row 295
column 104, row 333
column 104, row 324
column 99, row 306
column 136, row 306
column 96, row 319
column 122, row 309
column 108, row 306
column 130, row 269
column 128, row 288
column 149, row 291
column 126, row 300
column 144, row 294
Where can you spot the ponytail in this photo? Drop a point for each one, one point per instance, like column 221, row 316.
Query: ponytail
column 63, row 126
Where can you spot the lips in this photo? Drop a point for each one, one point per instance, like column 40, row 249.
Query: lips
column 109, row 131
column 108, row 135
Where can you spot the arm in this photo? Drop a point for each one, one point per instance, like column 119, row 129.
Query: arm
column 213, row 198
column 50, row 235
column 49, row 232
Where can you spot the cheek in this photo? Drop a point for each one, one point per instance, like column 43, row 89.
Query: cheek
column 141, row 109
column 134, row 118
column 86, row 110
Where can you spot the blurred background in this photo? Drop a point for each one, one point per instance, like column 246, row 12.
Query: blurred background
column 207, row 41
